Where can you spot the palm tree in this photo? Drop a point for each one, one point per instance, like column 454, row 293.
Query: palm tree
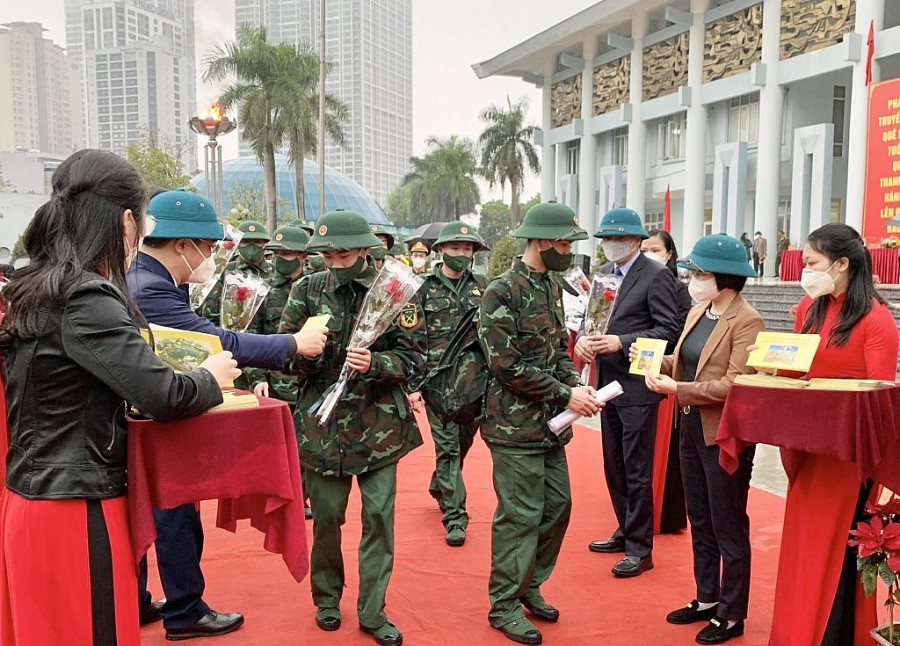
column 443, row 181
column 507, row 151
column 252, row 62
column 297, row 124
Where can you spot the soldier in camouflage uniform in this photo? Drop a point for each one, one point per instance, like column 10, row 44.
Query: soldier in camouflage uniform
column 449, row 292
column 249, row 260
column 521, row 329
column 378, row 254
column 370, row 430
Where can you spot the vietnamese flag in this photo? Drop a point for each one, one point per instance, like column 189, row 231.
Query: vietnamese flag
column 871, row 52
column 667, row 211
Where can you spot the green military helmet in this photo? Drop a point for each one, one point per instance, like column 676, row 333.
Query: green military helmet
column 253, row 230
column 550, row 221
column 379, row 231
column 719, row 254
column 621, row 222
column 460, row 232
column 342, row 230
column 302, row 224
column 288, row 238
column 183, row 214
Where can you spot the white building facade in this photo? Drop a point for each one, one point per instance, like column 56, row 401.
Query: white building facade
column 753, row 113
column 371, row 43
column 137, row 61
column 40, row 93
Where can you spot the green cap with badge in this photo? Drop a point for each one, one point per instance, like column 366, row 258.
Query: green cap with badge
column 183, row 214
column 621, row 222
column 342, row 230
column 379, row 231
column 288, row 238
column 719, row 254
column 302, row 224
column 550, row 221
column 253, row 230
column 460, row 232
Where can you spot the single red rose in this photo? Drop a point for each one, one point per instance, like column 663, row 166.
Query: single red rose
column 585, row 285
column 392, row 286
column 609, row 295
column 241, row 294
column 399, row 296
column 228, row 244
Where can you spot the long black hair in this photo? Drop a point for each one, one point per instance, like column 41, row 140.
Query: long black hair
column 669, row 244
column 78, row 230
column 836, row 241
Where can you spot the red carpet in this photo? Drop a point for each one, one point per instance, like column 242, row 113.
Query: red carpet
column 438, row 594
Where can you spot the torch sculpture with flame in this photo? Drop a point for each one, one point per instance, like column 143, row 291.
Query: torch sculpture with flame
column 213, row 123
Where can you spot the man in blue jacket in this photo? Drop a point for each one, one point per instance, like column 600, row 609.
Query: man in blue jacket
column 180, row 252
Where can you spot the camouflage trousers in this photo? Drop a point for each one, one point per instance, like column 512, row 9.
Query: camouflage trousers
column 451, row 445
column 534, row 503
column 328, row 496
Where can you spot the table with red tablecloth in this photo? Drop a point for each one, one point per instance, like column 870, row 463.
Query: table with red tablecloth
column 885, row 265
column 245, row 458
column 862, row 427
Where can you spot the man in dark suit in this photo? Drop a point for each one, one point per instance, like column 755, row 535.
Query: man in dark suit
column 178, row 252
column 645, row 306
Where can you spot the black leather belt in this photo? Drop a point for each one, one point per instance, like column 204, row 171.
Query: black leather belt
column 687, row 410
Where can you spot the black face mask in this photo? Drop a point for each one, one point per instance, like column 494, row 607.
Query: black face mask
column 555, row 261
column 344, row 275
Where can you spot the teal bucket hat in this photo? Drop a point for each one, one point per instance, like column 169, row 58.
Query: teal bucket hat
column 621, row 222
column 550, row 221
column 719, row 254
column 183, row 214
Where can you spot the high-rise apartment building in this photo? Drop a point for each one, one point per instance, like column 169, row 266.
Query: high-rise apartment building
column 40, row 93
column 371, row 43
column 137, row 61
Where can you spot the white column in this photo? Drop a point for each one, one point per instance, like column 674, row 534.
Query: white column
column 695, row 148
column 635, row 193
column 548, row 150
column 866, row 12
column 768, row 160
column 587, row 152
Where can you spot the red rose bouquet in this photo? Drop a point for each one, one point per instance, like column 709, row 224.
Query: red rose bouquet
column 242, row 296
column 604, row 290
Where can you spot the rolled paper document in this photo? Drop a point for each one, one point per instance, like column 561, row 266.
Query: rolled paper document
column 566, row 418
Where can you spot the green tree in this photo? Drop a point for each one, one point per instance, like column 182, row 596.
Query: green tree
column 534, row 200
column 18, row 250
column 159, row 161
column 442, row 182
column 494, row 222
column 248, row 202
column 503, row 254
column 399, row 206
column 506, row 150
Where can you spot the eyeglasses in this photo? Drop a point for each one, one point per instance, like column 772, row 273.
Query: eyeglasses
column 149, row 224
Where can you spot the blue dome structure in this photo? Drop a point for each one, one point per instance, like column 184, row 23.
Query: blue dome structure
column 341, row 192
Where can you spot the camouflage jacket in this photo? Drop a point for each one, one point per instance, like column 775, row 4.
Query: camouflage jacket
column 372, row 426
column 444, row 303
column 281, row 385
column 523, row 335
column 212, row 306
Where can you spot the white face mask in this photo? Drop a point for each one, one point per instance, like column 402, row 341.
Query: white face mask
column 703, row 289
column 203, row 271
column 816, row 282
column 655, row 257
column 616, row 250
column 418, row 262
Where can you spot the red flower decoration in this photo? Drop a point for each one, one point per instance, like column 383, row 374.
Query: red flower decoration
column 586, row 286
column 228, row 244
column 609, row 295
column 873, row 535
column 392, row 286
column 241, row 294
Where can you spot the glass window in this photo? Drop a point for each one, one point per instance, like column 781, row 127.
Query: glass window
column 572, row 158
column 620, row 147
column 670, row 137
column 838, row 110
column 743, row 119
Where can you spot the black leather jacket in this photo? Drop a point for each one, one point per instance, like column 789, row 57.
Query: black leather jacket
column 67, row 390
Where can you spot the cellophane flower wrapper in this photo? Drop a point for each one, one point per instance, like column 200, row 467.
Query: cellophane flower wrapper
column 574, row 305
column 394, row 286
column 242, row 296
column 604, row 291
column 223, row 253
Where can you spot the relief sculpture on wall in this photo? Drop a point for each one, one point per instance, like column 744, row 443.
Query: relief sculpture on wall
column 611, row 83
column 732, row 44
column 808, row 25
column 665, row 66
column 565, row 101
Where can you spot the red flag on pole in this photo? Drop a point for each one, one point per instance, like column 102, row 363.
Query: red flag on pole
column 871, row 52
column 667, row 211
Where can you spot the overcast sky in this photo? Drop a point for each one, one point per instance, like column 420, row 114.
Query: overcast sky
column 448, row 37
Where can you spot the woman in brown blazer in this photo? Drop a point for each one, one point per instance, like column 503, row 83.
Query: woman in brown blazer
column 711, row 352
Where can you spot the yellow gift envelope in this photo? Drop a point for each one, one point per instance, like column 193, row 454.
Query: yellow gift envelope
column 783, row 351
column 316, row 321
column 649, row 357
column 182, row 350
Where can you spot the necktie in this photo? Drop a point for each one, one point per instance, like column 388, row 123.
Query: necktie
column 618, row 272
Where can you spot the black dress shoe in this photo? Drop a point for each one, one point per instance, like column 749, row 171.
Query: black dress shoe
column 607, row 545
column 151, row 612
column 212, row 624
column 632, row 566
column 691, row 613
column 328, row 624
column 521, row 632
column 544, row 612
column 385, row 635
column 717, row 631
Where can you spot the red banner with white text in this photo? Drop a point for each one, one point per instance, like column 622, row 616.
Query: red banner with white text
column 881, row 204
